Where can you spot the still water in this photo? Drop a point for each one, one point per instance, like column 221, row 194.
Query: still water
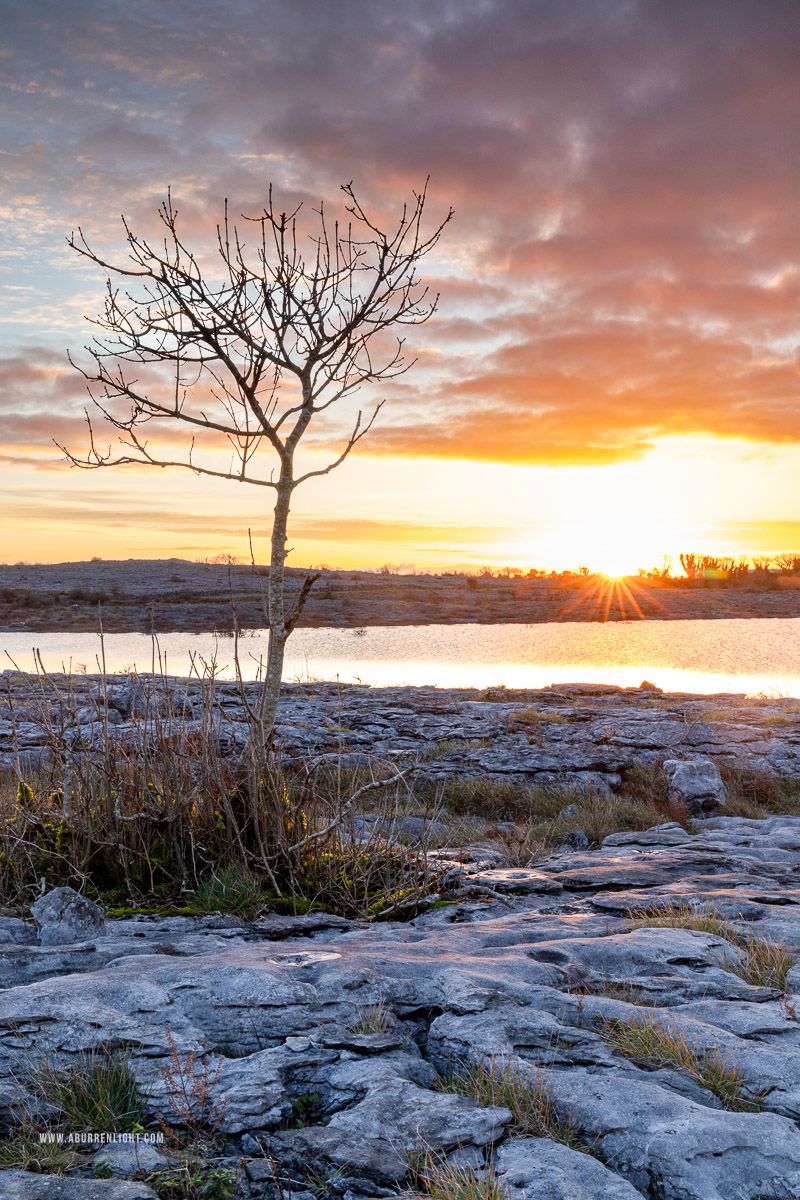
column 749, row 656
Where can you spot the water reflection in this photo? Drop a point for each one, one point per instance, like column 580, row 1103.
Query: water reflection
column 704, row 656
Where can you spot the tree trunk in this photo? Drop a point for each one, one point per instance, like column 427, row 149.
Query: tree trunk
column 278, row 633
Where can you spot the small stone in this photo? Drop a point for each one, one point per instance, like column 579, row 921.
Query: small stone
column 64, row 917
column 466, row 1158
column 568, row 813
column 578, row 840
column 252, row 1147
column 297, row 1043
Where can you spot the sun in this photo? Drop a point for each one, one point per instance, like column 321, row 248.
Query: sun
column 615, row 562
column 613, row 537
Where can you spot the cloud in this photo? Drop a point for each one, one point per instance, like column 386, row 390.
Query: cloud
column 362, row 529
column 623, row 264
column 108, row 510
column 600, row 394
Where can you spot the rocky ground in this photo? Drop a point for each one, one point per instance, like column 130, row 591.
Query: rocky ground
column 639, row 999
column 174, row 594
column 584, row 735
column 328, row 1041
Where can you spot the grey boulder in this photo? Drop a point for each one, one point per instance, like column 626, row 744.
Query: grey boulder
column 400, row 1107
column 695, row 786
column 64, row 917
column 540, row 1169
column 321, row 1149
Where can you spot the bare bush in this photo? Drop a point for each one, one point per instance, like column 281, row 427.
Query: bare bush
column 158, row 809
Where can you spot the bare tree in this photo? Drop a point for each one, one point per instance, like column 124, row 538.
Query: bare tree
column 255, row 351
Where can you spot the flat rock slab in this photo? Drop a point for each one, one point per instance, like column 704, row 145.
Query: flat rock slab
column 598, row 875
column 547, row 737
column 695, row 1153
column 362, row 1016
column 517, row 879
column 22, row 1185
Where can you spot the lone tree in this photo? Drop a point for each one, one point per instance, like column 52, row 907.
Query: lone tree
column 248, row 354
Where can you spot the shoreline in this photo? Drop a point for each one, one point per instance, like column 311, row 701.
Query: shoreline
column 174, row 595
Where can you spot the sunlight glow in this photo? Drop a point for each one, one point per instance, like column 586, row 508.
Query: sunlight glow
column 687, row 494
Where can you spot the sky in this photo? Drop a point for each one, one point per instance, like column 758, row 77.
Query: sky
column 612, row 371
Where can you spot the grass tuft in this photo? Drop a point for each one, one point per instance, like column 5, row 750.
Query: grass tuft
column 766, row 962
column 24, row 1150
column 528, row 718
column 442, row 1180
column 372, row 1018
column 526, row 1094
column 231, row 889
column 643, row 1037
column 97, row 1092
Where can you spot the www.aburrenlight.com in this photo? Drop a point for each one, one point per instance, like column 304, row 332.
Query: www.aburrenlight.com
column 86, row 1138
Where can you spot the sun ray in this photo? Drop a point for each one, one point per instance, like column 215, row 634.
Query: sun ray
column 595, row 601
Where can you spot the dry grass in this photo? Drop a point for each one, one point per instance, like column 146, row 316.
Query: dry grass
column 26, row 1149
column 526, row 1094
column 528, row 718
column 453, row 745
column 719, row 716
column 759, row 794
column 443, row 1181
column 598, row 815
column 683, row 916
column 372, row 1018
column 751, row 793
column 647, row 1039
column 766, row 962
column 535, row 812
column 524, row 845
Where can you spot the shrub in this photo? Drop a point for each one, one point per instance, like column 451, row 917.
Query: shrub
column 191, row 1089
column 193, row 1179
column 167, row 814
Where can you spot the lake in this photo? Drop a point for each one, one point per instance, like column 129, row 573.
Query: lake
column 749, row 656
